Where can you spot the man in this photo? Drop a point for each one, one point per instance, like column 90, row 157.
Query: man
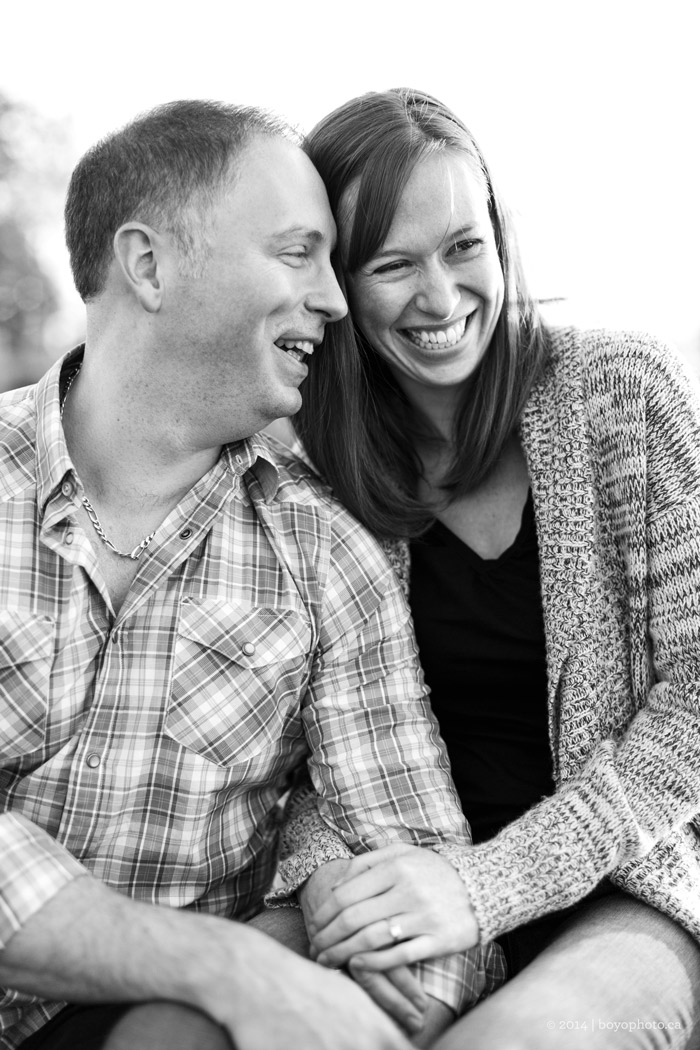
column 183, row 622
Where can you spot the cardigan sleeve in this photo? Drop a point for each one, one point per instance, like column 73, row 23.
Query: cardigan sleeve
column 626, row 723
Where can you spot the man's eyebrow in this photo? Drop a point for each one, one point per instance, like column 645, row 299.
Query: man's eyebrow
column 299, row 231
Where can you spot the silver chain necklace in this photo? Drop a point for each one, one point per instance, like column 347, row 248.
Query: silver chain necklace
column 91, row 512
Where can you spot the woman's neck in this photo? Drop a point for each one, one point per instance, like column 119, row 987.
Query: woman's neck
column 438, row 405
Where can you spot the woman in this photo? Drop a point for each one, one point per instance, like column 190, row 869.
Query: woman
column 538, row 492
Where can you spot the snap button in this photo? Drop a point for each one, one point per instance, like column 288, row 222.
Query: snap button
column 93, row 761
column 185, row 534
column 249, row 648
column 69, row 538
column 67, row 488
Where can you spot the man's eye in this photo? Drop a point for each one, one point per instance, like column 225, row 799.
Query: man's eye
column 297, row 253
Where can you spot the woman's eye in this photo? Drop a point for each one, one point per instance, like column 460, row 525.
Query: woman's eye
column 467, row 245
column 392, row 267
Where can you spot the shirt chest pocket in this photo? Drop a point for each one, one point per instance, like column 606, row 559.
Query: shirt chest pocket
column 238, row 676
column 26, row 656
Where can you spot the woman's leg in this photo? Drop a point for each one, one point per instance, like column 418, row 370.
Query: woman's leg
column 618, row 974
column 285, row 925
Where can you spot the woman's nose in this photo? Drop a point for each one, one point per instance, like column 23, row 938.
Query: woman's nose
column 438, row 294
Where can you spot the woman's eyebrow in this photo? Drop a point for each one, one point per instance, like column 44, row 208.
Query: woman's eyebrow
column 464, row 228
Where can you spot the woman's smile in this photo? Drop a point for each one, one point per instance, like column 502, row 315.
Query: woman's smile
column 437, row 337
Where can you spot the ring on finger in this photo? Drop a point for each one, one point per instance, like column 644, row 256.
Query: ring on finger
column 395, row 931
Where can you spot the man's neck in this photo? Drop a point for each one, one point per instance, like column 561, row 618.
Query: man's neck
column 128, row 448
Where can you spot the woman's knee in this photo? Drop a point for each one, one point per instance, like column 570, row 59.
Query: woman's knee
column 617, row 975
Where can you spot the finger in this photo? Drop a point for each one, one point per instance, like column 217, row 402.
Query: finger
column 356, row 918
column 391, row 999
column 406, row 982
column 410, row 951
column 319, row 886
column 369, row 884
column 373, row 937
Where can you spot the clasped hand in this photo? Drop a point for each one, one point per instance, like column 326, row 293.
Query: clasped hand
column 391, row 907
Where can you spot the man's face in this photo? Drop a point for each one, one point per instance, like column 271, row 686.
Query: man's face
column 247, row 325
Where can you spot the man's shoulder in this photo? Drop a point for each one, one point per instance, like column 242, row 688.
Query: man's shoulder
column 20, row 399
column 301, row 484
column 17, row 439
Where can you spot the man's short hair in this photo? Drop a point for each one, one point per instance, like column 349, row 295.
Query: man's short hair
column 165, row 169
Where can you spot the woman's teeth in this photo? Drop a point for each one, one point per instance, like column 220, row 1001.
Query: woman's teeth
column 443, row 337
column 296, row 348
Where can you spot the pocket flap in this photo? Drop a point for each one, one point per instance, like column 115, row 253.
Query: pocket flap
column 24, row 637
column 249, row 636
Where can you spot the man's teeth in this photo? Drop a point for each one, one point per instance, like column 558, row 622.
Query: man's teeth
column 444, row 337
column 296, row 348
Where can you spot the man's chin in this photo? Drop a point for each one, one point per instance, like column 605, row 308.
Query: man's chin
column 292, row 404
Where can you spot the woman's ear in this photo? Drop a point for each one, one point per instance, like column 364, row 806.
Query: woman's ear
column 138, row 250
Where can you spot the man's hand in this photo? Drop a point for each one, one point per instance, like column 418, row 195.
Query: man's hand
column 269, row 997
column 397, row 991
column 90, row 944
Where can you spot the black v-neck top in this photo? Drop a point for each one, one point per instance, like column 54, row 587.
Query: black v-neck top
column 481, row 638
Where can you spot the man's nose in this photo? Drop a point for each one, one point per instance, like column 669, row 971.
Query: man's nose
column 327, row 298
column 438, row 293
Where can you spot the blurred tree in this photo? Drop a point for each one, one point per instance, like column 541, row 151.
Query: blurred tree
column 33, row 166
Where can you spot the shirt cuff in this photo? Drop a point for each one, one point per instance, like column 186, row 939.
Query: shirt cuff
column 462, row 980
column 34, row 868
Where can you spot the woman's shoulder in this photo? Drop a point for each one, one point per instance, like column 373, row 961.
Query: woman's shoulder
column 611, row 361
column 611, row 347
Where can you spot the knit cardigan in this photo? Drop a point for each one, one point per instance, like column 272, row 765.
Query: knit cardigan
column 611, row 434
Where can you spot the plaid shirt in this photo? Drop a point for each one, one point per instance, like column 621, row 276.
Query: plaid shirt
column 263, row 628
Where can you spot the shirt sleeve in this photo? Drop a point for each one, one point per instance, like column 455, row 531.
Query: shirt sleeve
column 378, row 764
column 377, row 759
column 34, row 868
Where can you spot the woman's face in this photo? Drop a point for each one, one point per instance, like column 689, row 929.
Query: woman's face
column 429, row 300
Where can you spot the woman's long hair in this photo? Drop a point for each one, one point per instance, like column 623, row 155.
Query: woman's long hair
column 355, row 423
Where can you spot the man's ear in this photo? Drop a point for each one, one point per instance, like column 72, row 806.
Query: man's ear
column 137, row 250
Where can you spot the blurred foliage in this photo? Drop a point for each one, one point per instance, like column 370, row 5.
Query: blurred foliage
column 34, row 160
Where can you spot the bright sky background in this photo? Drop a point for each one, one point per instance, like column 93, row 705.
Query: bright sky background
column 589, row 113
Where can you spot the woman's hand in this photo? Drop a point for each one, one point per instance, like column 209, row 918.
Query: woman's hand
column 393, row 906
column 397, row 991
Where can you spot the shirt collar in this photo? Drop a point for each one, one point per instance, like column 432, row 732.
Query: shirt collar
column 254, row 454
column 52, row 459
